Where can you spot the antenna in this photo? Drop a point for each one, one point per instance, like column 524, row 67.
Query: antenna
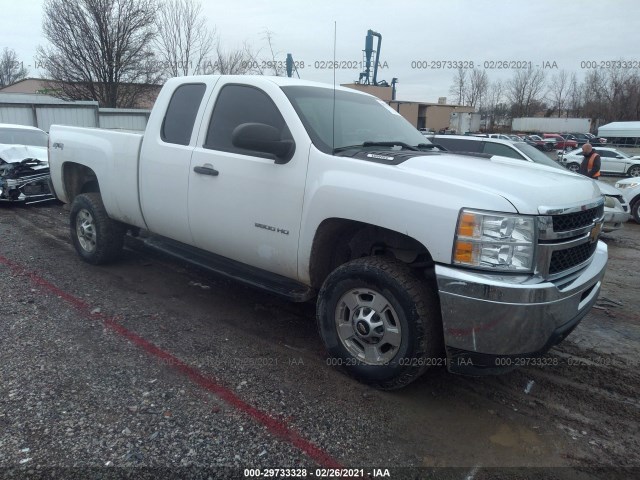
column 333, row 126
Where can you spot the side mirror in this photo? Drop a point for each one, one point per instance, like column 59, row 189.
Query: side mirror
column 265, row 139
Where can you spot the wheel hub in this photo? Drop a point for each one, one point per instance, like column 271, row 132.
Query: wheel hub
column 85, row 230
column 368, row 326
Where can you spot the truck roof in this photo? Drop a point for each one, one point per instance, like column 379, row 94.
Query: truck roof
column 280, row 81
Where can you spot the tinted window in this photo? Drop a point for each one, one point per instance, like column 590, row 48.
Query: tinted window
column 459, row 144
column 502, row 150
column 238, row 104
column 181, row 114
column 605, row 153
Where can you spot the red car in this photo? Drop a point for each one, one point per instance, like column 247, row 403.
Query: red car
column 561, row 142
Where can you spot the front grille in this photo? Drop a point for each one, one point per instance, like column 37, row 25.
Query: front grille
column 565, row 259
column 574, row 221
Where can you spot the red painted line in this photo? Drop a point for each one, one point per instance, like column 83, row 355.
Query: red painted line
column 206, row 382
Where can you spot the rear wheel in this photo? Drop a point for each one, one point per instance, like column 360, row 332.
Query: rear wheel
column 634, row 171
column 97, row 238
column 380, row 321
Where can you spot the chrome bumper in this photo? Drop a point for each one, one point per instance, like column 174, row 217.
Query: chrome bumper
column 495, row 315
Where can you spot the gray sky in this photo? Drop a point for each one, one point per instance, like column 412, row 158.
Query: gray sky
column 454, row 30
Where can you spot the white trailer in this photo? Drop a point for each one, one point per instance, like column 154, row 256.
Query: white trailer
column 551, row 125
column 463, row 122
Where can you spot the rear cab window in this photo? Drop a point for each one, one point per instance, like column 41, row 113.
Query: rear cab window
column 180, row 117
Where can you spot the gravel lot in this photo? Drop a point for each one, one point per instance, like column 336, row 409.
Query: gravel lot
column 150, row 367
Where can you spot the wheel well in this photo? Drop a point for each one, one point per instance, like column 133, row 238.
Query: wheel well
column 338, row 241
column 78, row 179
column 630, row 168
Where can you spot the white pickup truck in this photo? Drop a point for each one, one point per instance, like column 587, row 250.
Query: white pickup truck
column 417, row 258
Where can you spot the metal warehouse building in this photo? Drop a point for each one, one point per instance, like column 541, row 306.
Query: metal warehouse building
column 38, row 110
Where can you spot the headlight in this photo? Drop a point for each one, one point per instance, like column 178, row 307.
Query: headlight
column 627, row 185
column 495, row 241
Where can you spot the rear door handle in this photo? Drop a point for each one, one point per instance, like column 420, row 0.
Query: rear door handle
column 206, row 170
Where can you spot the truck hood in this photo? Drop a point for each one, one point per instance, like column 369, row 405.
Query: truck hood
column 527, row 186
column 17, row 153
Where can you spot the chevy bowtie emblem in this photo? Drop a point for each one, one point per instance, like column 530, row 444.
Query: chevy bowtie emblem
column 595, row 232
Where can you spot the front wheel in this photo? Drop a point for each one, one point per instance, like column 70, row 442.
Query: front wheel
column 97, row 238
column 635, row 210
column 380, row 321
column 574, row 167
column 634, row 171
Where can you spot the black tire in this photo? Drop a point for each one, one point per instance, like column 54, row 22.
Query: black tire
column 413, row 305
column 635, row 210
column 634, row 171
column 574, row 167
column 97, row 238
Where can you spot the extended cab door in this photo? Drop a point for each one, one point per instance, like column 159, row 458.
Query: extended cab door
column 242, row 205
column 165, row 159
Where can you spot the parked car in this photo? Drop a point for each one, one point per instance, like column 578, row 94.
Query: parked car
column 24, row 167
column 595, row 140
column 580, row 138
column 630, row 188
column 326, row 193
column 546, row 144
column 616, row 208
column 561, row 142
column 613, row 161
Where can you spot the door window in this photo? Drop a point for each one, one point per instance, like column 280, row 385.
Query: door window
column 238, row 104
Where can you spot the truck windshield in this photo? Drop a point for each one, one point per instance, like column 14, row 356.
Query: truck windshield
column 358, row 119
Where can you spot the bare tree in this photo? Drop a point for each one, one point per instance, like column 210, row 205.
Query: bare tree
column 100, row 49
column 559, row 90
column 574, row 96
column 11, row 70
column 184, row 40
column 491, row 103
column 459, row 85
column 224, row 61
column 524, row 91
column 476, row 88
column 275, row 64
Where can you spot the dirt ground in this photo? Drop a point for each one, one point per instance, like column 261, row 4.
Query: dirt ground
column 577, row 419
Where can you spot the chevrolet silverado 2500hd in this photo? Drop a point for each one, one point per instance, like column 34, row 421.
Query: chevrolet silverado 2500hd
column 417, row 258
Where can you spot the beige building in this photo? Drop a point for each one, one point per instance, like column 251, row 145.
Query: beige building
column 48, row 87
column 435, row 116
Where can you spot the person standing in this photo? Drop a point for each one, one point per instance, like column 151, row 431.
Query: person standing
column 590, row 165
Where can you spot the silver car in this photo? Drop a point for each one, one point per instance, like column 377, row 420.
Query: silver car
column 616, row 209
column 612, row 161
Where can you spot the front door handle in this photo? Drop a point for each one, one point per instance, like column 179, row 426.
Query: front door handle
column 206, row 170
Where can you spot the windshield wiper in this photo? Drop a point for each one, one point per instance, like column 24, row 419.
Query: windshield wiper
column 377, row 144
column 431, row 146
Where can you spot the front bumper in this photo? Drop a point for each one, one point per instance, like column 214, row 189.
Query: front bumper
column 486, row 316
column 614, row 218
